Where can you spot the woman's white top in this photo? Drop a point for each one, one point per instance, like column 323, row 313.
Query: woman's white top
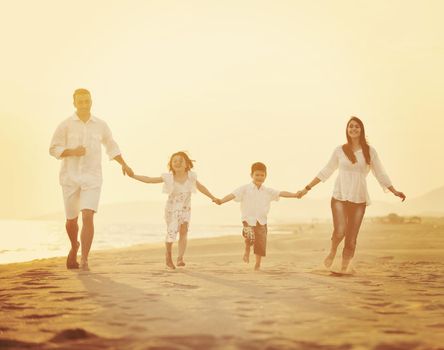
column 351, row 183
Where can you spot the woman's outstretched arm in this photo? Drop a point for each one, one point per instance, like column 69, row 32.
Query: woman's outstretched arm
column 307, row 188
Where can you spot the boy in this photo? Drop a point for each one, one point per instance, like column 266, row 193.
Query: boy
column 255, row 203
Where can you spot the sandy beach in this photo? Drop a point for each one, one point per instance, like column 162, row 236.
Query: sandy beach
column 395, row 299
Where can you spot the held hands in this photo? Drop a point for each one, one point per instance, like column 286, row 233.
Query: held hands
column 126, row 170
column 301, row 193
column 217, row 201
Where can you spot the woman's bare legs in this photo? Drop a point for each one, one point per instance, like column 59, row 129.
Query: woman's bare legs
column 338, row 210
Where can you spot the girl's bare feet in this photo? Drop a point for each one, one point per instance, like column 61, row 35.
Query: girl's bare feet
column 169, row 261
column 246, row 257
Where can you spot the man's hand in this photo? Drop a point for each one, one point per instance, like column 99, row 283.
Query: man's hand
column 78, row 152
column 217, row 201
column 400, row 195
column 126, row 170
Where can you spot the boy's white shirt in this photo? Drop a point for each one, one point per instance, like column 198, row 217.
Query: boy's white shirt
column 255, row 202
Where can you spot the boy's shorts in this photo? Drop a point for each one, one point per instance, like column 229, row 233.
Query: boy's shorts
column 77, row 199
column 259, row 239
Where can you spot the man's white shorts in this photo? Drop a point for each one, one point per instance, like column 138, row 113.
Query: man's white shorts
column 77, row 199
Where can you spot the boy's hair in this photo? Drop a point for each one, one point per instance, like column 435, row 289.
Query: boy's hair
column 80, row 92
column 258, row 166
column 188, row 162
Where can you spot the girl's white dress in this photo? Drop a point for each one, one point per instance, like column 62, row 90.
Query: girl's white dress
column 178, row 205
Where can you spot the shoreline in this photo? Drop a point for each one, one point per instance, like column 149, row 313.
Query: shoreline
column 130, row 301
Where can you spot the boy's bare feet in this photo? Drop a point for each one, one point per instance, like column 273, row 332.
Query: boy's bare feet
column 169, row 261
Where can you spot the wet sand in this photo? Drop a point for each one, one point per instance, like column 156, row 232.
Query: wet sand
column 395, row 299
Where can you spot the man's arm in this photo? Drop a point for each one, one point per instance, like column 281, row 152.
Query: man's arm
column 73, row 152
column 58, row 148
column 126, row 170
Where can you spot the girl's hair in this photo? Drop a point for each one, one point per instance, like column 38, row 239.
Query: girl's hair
column 188, row 162
column 347, row 148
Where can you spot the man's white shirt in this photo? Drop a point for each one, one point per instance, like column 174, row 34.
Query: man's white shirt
column 85, row 171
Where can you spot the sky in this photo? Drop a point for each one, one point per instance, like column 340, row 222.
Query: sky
column 231, row 82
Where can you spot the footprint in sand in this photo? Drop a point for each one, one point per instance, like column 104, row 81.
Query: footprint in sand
column 270, row 292
column 72, row 334
column 433, row 307
column 399, row 345
column 36, row 273
column 380, row 312
column 40, row 316
column 244, row 302
column 73, row 298
column 180, row 285
column 267, row 322
column 374, row 299
column 243, row 309
column 436, row 325
column 14, row 306
column 397, row 331
column 261, row 331
column 380, row 304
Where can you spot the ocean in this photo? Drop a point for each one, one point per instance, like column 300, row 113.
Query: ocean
column 29, row 240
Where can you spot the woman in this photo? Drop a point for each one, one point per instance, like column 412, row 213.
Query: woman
column 350, row 197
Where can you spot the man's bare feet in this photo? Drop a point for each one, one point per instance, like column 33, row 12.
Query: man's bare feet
column 328, row 261
column 71, row 260
column 257, row 267
column 180, row 262
column 84, row 264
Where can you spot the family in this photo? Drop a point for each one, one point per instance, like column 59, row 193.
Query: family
column 77, row 142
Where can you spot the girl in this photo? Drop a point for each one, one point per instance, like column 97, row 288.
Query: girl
column 350, row 197
column 179, row 183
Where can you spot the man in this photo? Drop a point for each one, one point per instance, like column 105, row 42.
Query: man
column 77, row 141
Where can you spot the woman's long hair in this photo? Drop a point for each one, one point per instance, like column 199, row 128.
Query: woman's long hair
column 347, row 148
